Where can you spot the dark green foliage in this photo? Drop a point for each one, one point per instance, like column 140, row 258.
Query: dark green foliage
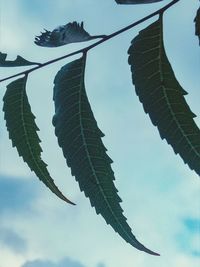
column 19, row 61
column 23, row 132
column 162, row 96
column 72, row 32
column 133, row 2
column 80, row 139
column 197, row 24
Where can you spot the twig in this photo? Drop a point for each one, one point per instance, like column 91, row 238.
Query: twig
column 104, row 39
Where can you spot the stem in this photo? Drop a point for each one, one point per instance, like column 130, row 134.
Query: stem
column 158, row 12
column 104, row 39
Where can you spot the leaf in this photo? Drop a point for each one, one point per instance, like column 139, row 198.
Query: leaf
column 80, row 139
column 197, row 24
column 72, row 32
column 133, row 2
column 23, row 132
column 18, row 62
column 162, row 96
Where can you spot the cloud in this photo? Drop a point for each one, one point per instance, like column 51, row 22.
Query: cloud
column 67, row 262
column 192, row 224
column 12, row 240
column 16, row 194
column 101, row 265
column 189, row 238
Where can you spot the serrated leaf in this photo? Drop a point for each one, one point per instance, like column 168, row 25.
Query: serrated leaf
column 18, row 62
column 133, row 2
column 162, row 96
column 72, row 32
column 197, row 24
column 80, row 139
column 22, row 129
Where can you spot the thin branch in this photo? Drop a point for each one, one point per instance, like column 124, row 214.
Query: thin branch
column 104, row 39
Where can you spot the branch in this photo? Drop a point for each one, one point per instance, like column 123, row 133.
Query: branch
column 104, row 39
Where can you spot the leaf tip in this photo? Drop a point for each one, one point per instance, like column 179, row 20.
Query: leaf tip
column 70, row 202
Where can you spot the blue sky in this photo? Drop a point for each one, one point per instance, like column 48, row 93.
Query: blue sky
column 161, row 195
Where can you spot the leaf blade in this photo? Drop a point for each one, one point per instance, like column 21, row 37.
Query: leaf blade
column 18, row 62
column 135, row 2
column 80, row 139
column 71, row 32
column 162, row 96
column 197, row 24
column 23, row 132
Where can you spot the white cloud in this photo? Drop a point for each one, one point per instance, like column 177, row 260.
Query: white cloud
column 46, row 263
column 57, row 229
column 8, row 258
column 10, row 239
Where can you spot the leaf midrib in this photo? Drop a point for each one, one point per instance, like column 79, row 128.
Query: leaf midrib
column 161, row 53
column 26, row 132
column 82, row 86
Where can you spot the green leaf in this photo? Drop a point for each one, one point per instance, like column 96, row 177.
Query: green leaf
column 162, row 96
column 22, row 129
column 197, row 24
column 18, row 62
column 80, row 139
column 72, row 32
column 133, row 2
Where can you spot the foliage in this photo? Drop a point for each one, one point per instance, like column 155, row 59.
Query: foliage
column 75, row 125
column 22, row 131
column 65, row 34
column 197, row 24
column 131, row 2
column 162, row 95
column 19, row 61
column 80, row 139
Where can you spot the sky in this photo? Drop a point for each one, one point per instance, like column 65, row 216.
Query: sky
column 161, row 195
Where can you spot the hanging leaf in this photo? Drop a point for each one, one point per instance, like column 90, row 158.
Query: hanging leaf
column 80, row 139
column 23, row 132
column 197, row 24
column 162, row 96
column 66, row 34
column 18, row 62
column 133, row 2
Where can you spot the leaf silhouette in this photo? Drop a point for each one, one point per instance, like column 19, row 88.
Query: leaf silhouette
column 197, row 24
column 133, row 2
column 18, row 62
column 162, row 96
column 23, row 132
column 80, row 139
column 72, row 32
